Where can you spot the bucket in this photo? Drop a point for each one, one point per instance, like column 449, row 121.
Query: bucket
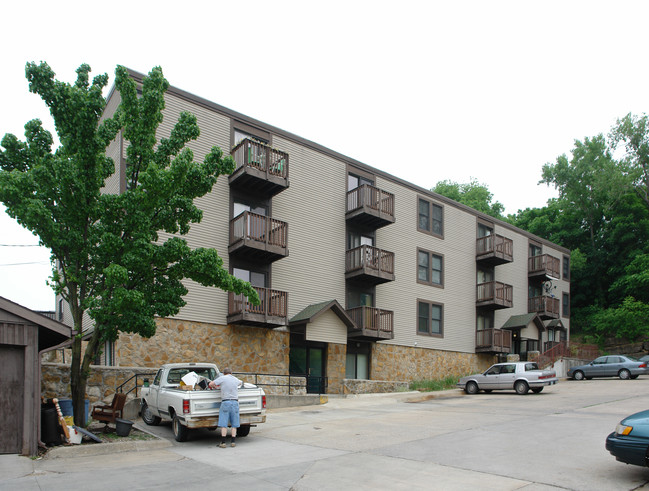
column 67, row 409
column 75, row 436
column 123, row 426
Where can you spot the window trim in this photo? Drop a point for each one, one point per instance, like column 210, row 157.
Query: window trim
column 441, row 320
column 566, row 260
column 563, row 310
column 261, row 135
column 431, row 205
column 430, row 269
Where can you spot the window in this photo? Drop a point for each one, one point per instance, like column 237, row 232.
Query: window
column 430, row 318
column 109, row 353
column 535, row 250
column 485, row 321
column 565, row 304
column 430, row 218
column 61, row 309
column 430, row 268
column 566, row 268
column 253, row 277
column 357, row 364
column 354, row 181
column 484, row 230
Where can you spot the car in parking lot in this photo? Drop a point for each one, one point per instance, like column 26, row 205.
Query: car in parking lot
column 623, row 366
column 520, row 376
column 629, row 443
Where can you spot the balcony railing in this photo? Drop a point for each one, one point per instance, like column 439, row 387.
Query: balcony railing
column 369, row 264
column 546, row 307
column 372, row 323
column 258, row 237
column 544, row 266
column 271, row 311
column 369, row 205
column 553, row 351
column 495, row 295
column 493, row 341
column 494, row 249
column 259, row 168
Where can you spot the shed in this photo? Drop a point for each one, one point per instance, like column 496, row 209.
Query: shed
column 24, row 334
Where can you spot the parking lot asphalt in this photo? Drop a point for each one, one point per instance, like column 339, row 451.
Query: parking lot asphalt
column 448, row 440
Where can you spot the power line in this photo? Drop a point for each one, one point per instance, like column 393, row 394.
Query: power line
column 24, row 264
column 20, row 245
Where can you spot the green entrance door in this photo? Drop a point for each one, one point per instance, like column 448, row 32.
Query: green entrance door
column 309, row 361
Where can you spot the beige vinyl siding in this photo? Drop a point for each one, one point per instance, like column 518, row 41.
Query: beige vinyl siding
column 515, row 274
column 327, row 328
column 204, row 304
column 562, row 286
column 314, row 207
column 458, row 294
column 112, row 184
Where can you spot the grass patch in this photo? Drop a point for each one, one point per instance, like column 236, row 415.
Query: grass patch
column 433, row 385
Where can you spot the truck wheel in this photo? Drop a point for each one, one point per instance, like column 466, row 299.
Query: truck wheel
column 471, row 388
column 521, row 387
column 180, row 432
column 149, row 418
column 243, row 430
column 536, row 390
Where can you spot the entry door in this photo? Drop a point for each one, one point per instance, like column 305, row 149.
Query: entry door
column 309, row 361
column 12, row 396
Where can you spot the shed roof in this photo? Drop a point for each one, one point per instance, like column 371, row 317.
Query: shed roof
column 50, row 332
column 523, row 320
column 313, row 311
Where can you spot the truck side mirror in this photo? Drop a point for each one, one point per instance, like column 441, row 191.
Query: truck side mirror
column 145, row 382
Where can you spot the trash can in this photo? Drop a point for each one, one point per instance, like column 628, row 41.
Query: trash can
column 123, row 426
column 50, row 433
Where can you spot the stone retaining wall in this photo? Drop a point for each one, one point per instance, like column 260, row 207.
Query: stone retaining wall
column 355, row 386
column 260, row 351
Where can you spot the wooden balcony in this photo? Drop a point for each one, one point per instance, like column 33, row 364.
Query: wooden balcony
column 260, row 169
column 258, row 238
column 543, row 267
column 495, row 295
column 493, row 341
column 372, row 324
column 370, row 206
column 369, row 264
column 494, row 250
column 271, row 312
column 546, row 307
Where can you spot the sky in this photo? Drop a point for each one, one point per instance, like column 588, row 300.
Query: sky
column 424, row 90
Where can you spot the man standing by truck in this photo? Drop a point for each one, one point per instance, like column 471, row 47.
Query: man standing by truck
column 229, row 411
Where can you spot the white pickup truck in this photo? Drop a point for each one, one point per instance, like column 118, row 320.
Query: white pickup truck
column 164, row 399
column 520, row 376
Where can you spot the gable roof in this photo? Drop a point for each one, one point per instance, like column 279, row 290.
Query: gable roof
column 556, row 323
column 523, row 320
column 313, row 311
column 50, row 332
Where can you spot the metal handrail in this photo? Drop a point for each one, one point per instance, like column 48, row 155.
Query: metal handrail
column 323, row 382
column 120, row 388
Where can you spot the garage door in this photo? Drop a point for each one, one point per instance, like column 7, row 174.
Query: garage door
column 12, row 381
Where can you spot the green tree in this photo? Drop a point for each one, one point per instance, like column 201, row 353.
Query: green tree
column 472, row 194
column 111, row 261
column 633, row 132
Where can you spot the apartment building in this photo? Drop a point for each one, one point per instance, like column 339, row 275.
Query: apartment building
column 362, row 275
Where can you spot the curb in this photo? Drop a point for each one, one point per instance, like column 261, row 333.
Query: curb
column 94, row 449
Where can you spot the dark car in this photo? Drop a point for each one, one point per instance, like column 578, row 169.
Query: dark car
column 629, row 443
column 622, row 366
